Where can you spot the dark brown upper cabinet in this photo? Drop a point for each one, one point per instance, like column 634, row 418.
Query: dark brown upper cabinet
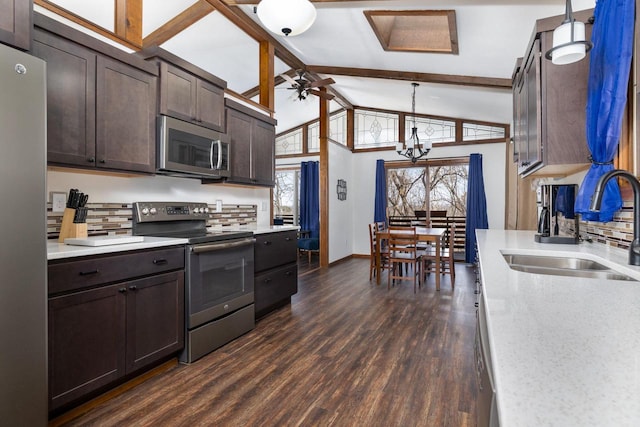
column 187, row 92
column 549, row 103
column 16, row 23
column 252, row 145
column 101, row 102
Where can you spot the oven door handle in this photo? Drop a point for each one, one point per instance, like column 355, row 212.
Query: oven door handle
column 220, row 246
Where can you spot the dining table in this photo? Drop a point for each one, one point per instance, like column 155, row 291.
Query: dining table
column 423, row 234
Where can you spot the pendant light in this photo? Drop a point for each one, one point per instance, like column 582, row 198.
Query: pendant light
column 412, row 149
column 286, row 17
column 569, row 44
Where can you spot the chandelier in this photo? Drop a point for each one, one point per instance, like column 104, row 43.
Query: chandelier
column 412, row 149
column 286, row 17
column 569, row 44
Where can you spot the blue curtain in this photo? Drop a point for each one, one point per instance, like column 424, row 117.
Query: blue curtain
column 476, row 206
column 310, row 198
column 380, row 208
column 612, row 39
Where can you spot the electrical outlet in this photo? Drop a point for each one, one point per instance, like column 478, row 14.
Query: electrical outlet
column 58, row 202
column 218, row 205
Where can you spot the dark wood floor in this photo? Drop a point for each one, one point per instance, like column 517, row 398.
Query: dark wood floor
column 345, row 353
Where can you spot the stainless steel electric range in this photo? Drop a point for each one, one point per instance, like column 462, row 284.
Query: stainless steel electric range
column 218, row 273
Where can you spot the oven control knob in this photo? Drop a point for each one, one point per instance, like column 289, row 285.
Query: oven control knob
column 196, row 210
column 206, row 210
column 153, row 211
column 145, row 211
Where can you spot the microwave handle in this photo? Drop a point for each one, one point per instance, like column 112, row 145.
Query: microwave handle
column 211, row 155
column 219, row 165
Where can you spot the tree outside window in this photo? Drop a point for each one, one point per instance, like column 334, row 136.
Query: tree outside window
column 446, row 184
column 286, row 196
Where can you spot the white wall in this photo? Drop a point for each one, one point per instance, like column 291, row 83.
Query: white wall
column 364, row 175
column 359, row 170
column 116, row 189
column 340, row 211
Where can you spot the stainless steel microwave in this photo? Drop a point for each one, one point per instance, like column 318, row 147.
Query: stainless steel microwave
column 189, row 150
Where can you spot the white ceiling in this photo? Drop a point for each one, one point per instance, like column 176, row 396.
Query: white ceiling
column 491, row 35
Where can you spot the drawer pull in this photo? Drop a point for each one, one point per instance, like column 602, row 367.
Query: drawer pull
column 287, row 238
column 160, row 261
column 133, row 288
column 88, row 273
column 267, row 242
column 288, row 273
column 267, row 280
column 122, row 290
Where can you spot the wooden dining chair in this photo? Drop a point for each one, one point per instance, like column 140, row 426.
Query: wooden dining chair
column 384, row 250
column 447, row 263
column 403, row 252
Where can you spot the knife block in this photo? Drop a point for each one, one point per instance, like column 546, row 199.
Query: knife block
column 69, row 228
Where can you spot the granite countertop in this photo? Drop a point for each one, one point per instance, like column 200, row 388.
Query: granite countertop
column 57, row 250
column 565, row 350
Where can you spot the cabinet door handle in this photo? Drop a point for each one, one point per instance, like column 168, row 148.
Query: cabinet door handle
column 267, row 280
column 103, row 161
column 133, row 288
column 122, row 290
column 160, row 261
column 91, row 160
column 287, row 238
column 288, row 273
column 88, row 273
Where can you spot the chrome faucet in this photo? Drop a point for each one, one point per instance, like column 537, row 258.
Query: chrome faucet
column 596, row 201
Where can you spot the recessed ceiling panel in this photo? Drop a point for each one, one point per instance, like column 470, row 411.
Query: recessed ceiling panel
column 415, row 30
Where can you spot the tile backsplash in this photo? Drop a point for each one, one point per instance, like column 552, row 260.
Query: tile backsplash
column 618, row 233
column 116, row 218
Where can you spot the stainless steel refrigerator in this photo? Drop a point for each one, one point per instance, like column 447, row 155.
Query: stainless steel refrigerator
column 23, row 256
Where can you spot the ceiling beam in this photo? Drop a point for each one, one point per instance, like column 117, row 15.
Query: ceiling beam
column 189, row 16
column 489, row 82
column 128, row 20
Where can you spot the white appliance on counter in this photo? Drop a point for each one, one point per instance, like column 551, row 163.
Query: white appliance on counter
column 23, row 259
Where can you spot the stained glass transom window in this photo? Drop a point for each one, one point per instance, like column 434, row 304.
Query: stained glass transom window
column 375, row 129
column 477, row 132
column 313, row 137
column 289, row 143
column 338, row 127
column 434, row 130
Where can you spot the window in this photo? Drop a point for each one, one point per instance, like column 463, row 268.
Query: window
column 478, row 132
column 338, row 127
column 313, row 138
column 286, row 195
column 375, row 129
column 431, row 129
column 438, row 186
column 289, row 143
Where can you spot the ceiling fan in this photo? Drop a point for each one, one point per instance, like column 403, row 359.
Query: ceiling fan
column 305, row 86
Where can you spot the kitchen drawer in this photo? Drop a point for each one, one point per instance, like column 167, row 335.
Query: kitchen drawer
column 91, row 271
column 275, row 287
column 274, row 249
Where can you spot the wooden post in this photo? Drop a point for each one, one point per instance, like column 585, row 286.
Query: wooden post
column 324, row 180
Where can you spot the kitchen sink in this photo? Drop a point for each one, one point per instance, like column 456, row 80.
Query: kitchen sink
column 563, row 266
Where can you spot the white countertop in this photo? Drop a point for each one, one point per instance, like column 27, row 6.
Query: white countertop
column 57, row 250
column 565, row 350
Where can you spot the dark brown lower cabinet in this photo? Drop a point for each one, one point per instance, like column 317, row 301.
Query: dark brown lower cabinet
column 99, row 336
column 276, row 270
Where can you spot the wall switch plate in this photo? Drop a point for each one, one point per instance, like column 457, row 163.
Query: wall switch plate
column 58, row 202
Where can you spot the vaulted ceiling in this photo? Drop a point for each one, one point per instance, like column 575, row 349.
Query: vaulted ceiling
column 223, row 37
